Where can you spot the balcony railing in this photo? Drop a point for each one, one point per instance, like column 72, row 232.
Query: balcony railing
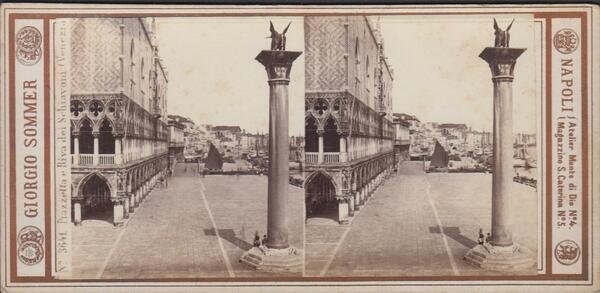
column 106, row 159
column 86, row 159
column 311, row 158
column 328, row 158
column 331, row 158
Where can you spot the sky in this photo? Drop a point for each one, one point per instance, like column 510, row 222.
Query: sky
column 440, row 78
column 213, row 77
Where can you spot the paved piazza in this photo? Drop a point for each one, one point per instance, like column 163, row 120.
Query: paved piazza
column 397, row 233
column 197, row 227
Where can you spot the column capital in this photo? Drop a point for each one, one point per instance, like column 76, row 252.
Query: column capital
column 343, row 133
column 117, row 200
column 343, row 198
column 77, row 199
column 278, row 64
column 501, row 61
column 95, row 134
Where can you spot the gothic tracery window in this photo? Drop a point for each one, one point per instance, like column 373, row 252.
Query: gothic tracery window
column 76, row 108
column 320, row 107
column 96, row 108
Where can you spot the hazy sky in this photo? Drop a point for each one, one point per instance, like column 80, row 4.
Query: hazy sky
column 439, row 76
column 213, row 77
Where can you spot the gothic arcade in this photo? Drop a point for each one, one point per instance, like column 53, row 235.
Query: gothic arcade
column 349, row 147
column 119, row 134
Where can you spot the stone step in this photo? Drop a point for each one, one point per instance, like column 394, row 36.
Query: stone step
column 518, row 262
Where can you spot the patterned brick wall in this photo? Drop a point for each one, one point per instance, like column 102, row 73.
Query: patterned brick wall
column 325, row 42
column 341, row 54
column 110, row 55
column 95, row 64
column 362, row 80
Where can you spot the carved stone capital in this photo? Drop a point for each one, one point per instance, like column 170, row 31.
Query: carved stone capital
column 278, row 64
column 501, row 60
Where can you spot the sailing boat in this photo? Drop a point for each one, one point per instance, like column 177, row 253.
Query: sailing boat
column 214, row 159
column 439, row 159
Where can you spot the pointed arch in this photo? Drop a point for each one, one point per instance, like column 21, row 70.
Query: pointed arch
column 324, row 173
column 331, row 137
column 320, row 196
column 85, row 180
column 106, row 139
column 96, row 192
column 311, row 136
column 86, row 139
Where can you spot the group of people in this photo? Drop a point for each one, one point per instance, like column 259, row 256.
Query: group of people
column 257, row 241
column 483, row 239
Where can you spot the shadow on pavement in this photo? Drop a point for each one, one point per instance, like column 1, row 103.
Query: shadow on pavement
column 229, row 235
column 454, row 233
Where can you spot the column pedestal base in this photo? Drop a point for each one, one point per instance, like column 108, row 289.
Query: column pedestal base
column 279, row 261
column 514, row 259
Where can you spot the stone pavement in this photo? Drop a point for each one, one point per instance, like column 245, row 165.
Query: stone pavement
column 398, row 232
column 171, row 234
column 239, row 206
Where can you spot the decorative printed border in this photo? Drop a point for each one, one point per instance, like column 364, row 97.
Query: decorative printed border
column 583, row 16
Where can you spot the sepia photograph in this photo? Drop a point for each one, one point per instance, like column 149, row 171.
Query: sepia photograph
column 183, row 153
column 187, row 148
column 419, row 160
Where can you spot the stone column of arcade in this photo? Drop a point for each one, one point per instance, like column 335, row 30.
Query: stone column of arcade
column 501, row 253
column 95, row 157
column 277, row 256
column 76, row 148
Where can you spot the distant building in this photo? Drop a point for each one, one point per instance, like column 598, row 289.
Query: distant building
column 402, row 139
column 349, row 144
column 176, row 142
column 226, row 131
column 413, row 121
column 525, row 139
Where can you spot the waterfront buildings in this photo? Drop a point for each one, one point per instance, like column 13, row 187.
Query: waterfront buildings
column 349, row 144
column 176, row 142
column 402, row 124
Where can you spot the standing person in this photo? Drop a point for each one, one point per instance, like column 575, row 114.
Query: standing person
column 481, row 238
column 264, row 240
column 256, row 239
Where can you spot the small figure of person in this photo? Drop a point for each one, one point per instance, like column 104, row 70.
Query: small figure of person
column 264, row 240
column 256, row 239
column 488, row 238
column 481, row 238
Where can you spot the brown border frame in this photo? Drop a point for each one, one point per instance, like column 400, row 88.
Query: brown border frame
column 548, row 276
